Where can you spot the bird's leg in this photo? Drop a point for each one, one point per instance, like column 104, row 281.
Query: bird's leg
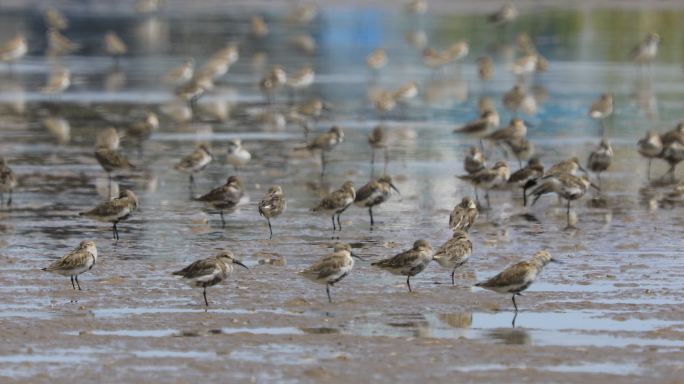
column 567, row 213
column 333, row 221
column 204, row 293
column 77, row 284
column 386, row 159
column 514, row 317
column 9, row 201
column 598, row 176
column 477, row 198
column 223, row 222
column 452, row 276
column 116, row 231
column 408, row 282
column 2, row 199
column 649, row 169
column 192, row 180
column 487, row 198
column 339, row 225
column 72, row 283
column 514, row 304
column 270, row 230
column 327, row 290
column 370, row 212
column 524, row 197
column 372, row 162
column 322, row 163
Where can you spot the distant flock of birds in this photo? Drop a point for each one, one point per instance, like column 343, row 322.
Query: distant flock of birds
column 534, row 180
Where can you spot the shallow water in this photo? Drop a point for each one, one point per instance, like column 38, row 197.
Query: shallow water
column 613, row 309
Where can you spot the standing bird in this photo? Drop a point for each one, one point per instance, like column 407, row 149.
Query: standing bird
column 326, row 142
column 272, row 205
column 258, row 27
column 301, row 79
column 181, row 74
column 142, row 130
column 650, row 147
column 474, row 161
column 673, row 147
column 516, row 129
column 272, row 81
column 463, row 215
column 488, row 179
column 337, row 202
column 485, row 68
column 522, row 148
column 513, row 99
column 107, row 152
column 602, row 108
column 55, row 19
column 333, row 268
column 59, row 44
column 518, row 277
column 600, row 159
column 114, row 46
column 224, row 198
column 454, row 253
column 374, row 193
column 569, row 166
column 81, row 259
column 527, row 177
column 58, row 82
column 647, row 50
column 506, row 14
column 237, row 155
column 378, row 139
column 115, row 210
column 13, row 49
column 8, row 181
column 377, row 60
column 209, row 272
column 195, row 162
column 567, row 186
column 408, row 263
column 488, row 119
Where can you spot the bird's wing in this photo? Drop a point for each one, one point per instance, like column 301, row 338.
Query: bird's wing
column 366, row 191
column 71, row 260
column 198, row 268
column 515, row 274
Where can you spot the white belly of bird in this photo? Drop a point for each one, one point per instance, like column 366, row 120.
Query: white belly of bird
column 201, row 164
column 77, row 271
column 118, row 216
column 199, row 281
column 450, row 262
column 239, row 157
column 16, row 53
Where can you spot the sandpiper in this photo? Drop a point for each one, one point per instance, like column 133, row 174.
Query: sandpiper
column 215, row 68
column 463, row 215
column 602, row 108
column 8, row 181
column 650, row 147
column 258, row 27
column 55, row 19
column 377, row 60
column 507, row 13
column 58, row 127
column 337, row 202
column 194, row 89
column 237, row 155
column 566, row 186
column 209, row 272
column 115, row 210
column 489, row 119
column 326, row 142
column 458, row 50
column 374, row 193
column 272, row 205
column 304, row 43
column 488, row 179
column 195, row 162
column 673, row 147
column 114, row 46
column 485, row 68
column 474, row 161
column 81, row 259
column 527, row 177
column 58, row 82
column 514, row 98
column 600, row 159
column 516, row 129
column 302, row 14
column 224, row 198
column 435, row 59
column 455, row 252
column 107, row 153
column 180, row 74
column 518, row 277
column 522, row 148
column 13, row 49
column 142, row 130
column 408, row 263
column 331, row 269
column 525, row 66
column 273, row 80
column 406, row 92
column 646, row 51
column 417, row 7
column 569, row 166
column 302, row 78
column 378, row 139
column 59, row 44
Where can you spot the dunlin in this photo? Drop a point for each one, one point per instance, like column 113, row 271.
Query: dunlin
column 215, row 68
column 650, row 147
column 273, row 80
column 565, row 185
column 458, row 50
column 454, row 253
column 518, row 277
column 237, row 155
column 209, row 272
column 435, row 59
column 272, row 205
column 485, row 68
column 180, row 74
column 337, row 202
column 194, row 89
column 516, row 129
column 474, row 161
column 115, row 210
column 143, row 129
column 326, row 142
column 488, row 119
column 527, row 177
column 374, row 193
column 463, row 215
column 8, row 181
column 147, row 6
column 525, row 66
column 301, row 79
column 81, row 259
column 600, row 159
column 107, row 153
column 258, row 27
column 506, row 14
column 602, row 108
column 224, row 198
column 59, row 44
column 569, row 166
column 673, row 147
column 59, row 128
column 195, row 162
column 58, row 82
column 417, row 7
column 13, row 49
column 377, row 59
column 408, row 263
column 302, row 14
column 514, row 98
column 304, row 43
column 406, row 92
column 378, row 139
column 114, row 46
column 55, row 19
column 647, row 50
column 331, row 269
column 488, row 179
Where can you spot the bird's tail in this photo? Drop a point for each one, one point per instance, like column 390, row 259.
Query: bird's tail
column 542, row 189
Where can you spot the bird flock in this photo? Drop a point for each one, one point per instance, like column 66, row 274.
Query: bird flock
column 485, row 163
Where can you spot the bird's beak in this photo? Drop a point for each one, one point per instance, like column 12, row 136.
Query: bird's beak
column 357, row 256
column 238, row 262
column 555, row 261
column 395, row 188
column 581, row 168
column 596, row 187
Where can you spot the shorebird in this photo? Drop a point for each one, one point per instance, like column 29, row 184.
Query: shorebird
column 215, row 68
column 463, row 215
column 516, row 129
column 13, row 49
column 59, row 44
column 435, row 59
column 304, row 43
column 485, row 68
column 331, row 269
column 115, row 210
column 602, row 108
column 142, row 130
column 195, row 162
column 569, row 166
column 408, row 263
column 374, row 193
column 458, row 50
column 224, row 198
column 527, row 177
column 194, row 89
column 301, row 79
column 673, row 147
column 566, row 186
column 258, row 27
column 273, row 80
column 107, row 153
column 58, row 82
column 114, row 46
column 518, row 277
column 147, row 6
column 650, row 147
column 513, row 99
column 8, row 181
column 506, row 14
column 180, row 74
column 522, row 148
column 600, row 159
column 378, row 139
column 489, row 119
column 79, row 260
column 237, row 155
column 488, row 179
column 454, row 253
column 55, row 19
column 525, row 66
column 59, row 128
column 302, row 14
column 230, row 53
column 377, row 60
column 647, row 50
column 272, row 205
column 405, row 93
column 326, row 142
column 337, row 202
column 209, row 272
column 474, row 161
column 417, row 7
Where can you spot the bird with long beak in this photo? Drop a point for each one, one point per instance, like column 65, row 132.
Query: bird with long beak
column 210, row 271
column 374, row 193
column 331, row 269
